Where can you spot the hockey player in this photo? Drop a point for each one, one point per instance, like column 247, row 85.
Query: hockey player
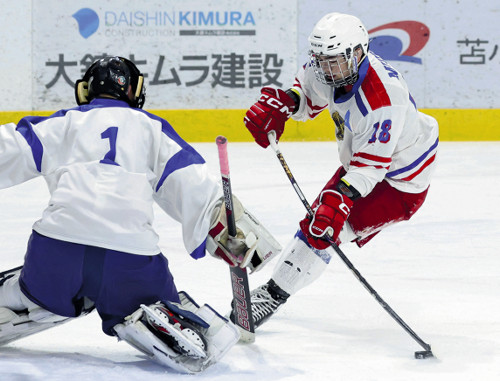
column 386, row 146
column 105, row 163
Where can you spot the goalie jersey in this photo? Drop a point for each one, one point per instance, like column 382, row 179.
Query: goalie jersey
column 104, row 175
column 380, row 133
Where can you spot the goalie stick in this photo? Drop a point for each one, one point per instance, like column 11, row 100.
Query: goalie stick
column 242, row 306
column 427, row 352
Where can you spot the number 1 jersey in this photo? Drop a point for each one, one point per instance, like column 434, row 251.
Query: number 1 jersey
column 106, row 164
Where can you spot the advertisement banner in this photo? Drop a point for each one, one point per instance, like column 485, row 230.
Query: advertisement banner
column 212, row 57
column 194, row 54
column 15, row 53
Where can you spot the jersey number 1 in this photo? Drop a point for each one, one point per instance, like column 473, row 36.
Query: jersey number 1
column 111, row 134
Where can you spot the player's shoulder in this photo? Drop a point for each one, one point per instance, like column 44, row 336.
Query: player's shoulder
column 382, row 84
column 382, row 72
column 382, row 67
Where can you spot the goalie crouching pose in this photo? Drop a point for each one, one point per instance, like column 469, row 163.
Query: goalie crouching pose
column 106, row 162
column 386, row 146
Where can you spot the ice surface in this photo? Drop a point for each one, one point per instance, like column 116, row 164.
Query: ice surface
column 440, row 272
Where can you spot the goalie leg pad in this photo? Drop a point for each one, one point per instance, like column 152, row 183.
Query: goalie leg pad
column 158, row 331
column 11, row 295
column 135, row 332
column 19, row 316
column 15, row 325
column 13, row 298
column 299, row 265
column 20, row 325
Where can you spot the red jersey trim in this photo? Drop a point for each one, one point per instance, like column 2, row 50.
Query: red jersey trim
column 359, row 164
column 315, row 110
column 416, row 173
column 374, row 90
column 371, row 157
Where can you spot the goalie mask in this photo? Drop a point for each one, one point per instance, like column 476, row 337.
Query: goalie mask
column 334, row 43
column 112, row 76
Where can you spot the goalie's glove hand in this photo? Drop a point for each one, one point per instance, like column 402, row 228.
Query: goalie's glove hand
column 328, row 219
column 269, row 113
column 253, row 245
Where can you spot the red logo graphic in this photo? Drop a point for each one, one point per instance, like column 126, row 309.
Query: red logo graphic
column 390, row 47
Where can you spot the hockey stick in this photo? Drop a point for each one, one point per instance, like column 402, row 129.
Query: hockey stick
column 419, row 354
column 242, row 306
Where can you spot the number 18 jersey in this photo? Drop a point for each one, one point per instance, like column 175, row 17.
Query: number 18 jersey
column 380, row 133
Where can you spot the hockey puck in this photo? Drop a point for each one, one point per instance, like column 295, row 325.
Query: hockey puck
column 423, row 354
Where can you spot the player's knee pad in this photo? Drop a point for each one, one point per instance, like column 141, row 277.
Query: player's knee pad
column 299, row 265
column 182, row 336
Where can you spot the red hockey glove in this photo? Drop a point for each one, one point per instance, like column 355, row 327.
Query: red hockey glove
column 328, row 218
column 269, row 113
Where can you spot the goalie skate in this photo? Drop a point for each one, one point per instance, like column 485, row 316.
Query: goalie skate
column 186, row 337
column 182, row 336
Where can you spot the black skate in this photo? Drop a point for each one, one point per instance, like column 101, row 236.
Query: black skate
column 265, row 300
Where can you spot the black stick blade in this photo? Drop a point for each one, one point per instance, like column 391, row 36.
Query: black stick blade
column 423, row 355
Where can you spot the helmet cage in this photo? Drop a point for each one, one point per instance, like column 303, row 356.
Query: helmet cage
column 338, row 44
column 337, row 71
column 111, row 76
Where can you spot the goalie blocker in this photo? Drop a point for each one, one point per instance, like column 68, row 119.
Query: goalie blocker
column 253, row 247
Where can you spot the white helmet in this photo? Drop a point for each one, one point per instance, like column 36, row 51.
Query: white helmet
column 332, row 43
